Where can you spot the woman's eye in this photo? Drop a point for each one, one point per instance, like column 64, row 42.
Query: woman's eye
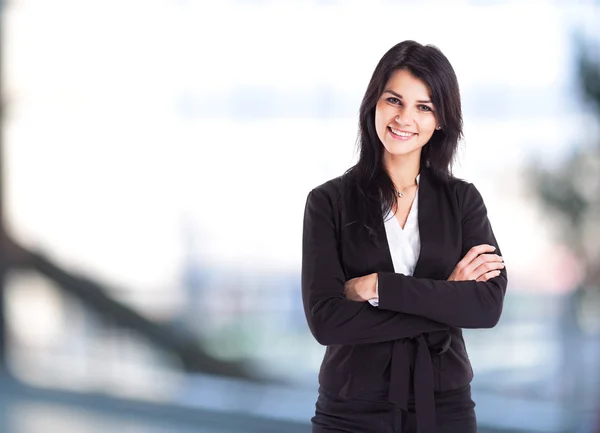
column 394, row 100
column 425, row 108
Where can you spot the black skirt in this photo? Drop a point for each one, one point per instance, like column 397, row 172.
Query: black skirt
column 455, row 413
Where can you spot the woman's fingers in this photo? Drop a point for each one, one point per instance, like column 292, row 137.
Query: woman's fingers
column 488, row 276
column 471, row 270
column 476, row 251
column 478, row 261
column 465, row 267
column 486, row 267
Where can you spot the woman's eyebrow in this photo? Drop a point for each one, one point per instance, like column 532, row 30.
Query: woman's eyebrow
column 397, row 95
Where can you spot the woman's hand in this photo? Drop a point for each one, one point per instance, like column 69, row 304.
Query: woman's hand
column 479, row 264
column 361, row 289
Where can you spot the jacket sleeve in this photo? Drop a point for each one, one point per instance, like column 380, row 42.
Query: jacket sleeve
column 331, row 317
column 465, row 304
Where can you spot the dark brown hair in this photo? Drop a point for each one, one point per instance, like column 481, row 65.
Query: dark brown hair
column 369, row 181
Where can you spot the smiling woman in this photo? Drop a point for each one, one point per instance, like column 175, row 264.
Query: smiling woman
column 404, row 115
column 398, row 256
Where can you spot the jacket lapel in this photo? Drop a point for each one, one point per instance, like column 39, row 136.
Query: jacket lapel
column 381, row 251
column 429, row 223
column 436, row 233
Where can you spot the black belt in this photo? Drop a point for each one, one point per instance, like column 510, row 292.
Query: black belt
column 402, row 352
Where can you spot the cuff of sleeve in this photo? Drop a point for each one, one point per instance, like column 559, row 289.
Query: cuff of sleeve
column 375, row 301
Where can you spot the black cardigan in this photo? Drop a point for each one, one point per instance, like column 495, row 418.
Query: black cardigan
column 415, row 333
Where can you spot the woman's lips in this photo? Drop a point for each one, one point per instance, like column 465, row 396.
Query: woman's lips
column 403, row 137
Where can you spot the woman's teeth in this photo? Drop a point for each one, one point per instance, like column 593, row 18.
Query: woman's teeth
column 401, row 133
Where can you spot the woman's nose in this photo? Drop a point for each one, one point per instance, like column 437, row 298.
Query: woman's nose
column 404, row 116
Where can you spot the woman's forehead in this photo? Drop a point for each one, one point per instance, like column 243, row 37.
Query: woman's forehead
column 406, row 85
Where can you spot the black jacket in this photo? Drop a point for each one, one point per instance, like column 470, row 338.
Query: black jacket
column 414, row 336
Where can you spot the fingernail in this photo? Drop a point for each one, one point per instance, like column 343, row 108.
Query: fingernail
column 493, row 248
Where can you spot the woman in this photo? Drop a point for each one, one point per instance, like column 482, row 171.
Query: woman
column 398, row 255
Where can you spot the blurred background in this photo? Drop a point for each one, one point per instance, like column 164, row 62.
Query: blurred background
column 155, row 160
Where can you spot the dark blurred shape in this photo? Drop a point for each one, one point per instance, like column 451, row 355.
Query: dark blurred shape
column 570, row 194
column 3, row 256
column 192, row 357
column 589, row 73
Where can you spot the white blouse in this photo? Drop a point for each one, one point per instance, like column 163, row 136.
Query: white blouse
column 405, row 244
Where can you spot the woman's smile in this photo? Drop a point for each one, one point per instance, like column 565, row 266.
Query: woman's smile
column 399, row 134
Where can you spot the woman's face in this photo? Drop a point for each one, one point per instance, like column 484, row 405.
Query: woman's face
column 404, row 116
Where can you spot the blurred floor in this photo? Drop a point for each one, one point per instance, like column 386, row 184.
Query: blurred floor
column 28, row 410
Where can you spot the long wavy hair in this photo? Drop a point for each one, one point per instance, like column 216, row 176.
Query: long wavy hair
column 368, row 183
